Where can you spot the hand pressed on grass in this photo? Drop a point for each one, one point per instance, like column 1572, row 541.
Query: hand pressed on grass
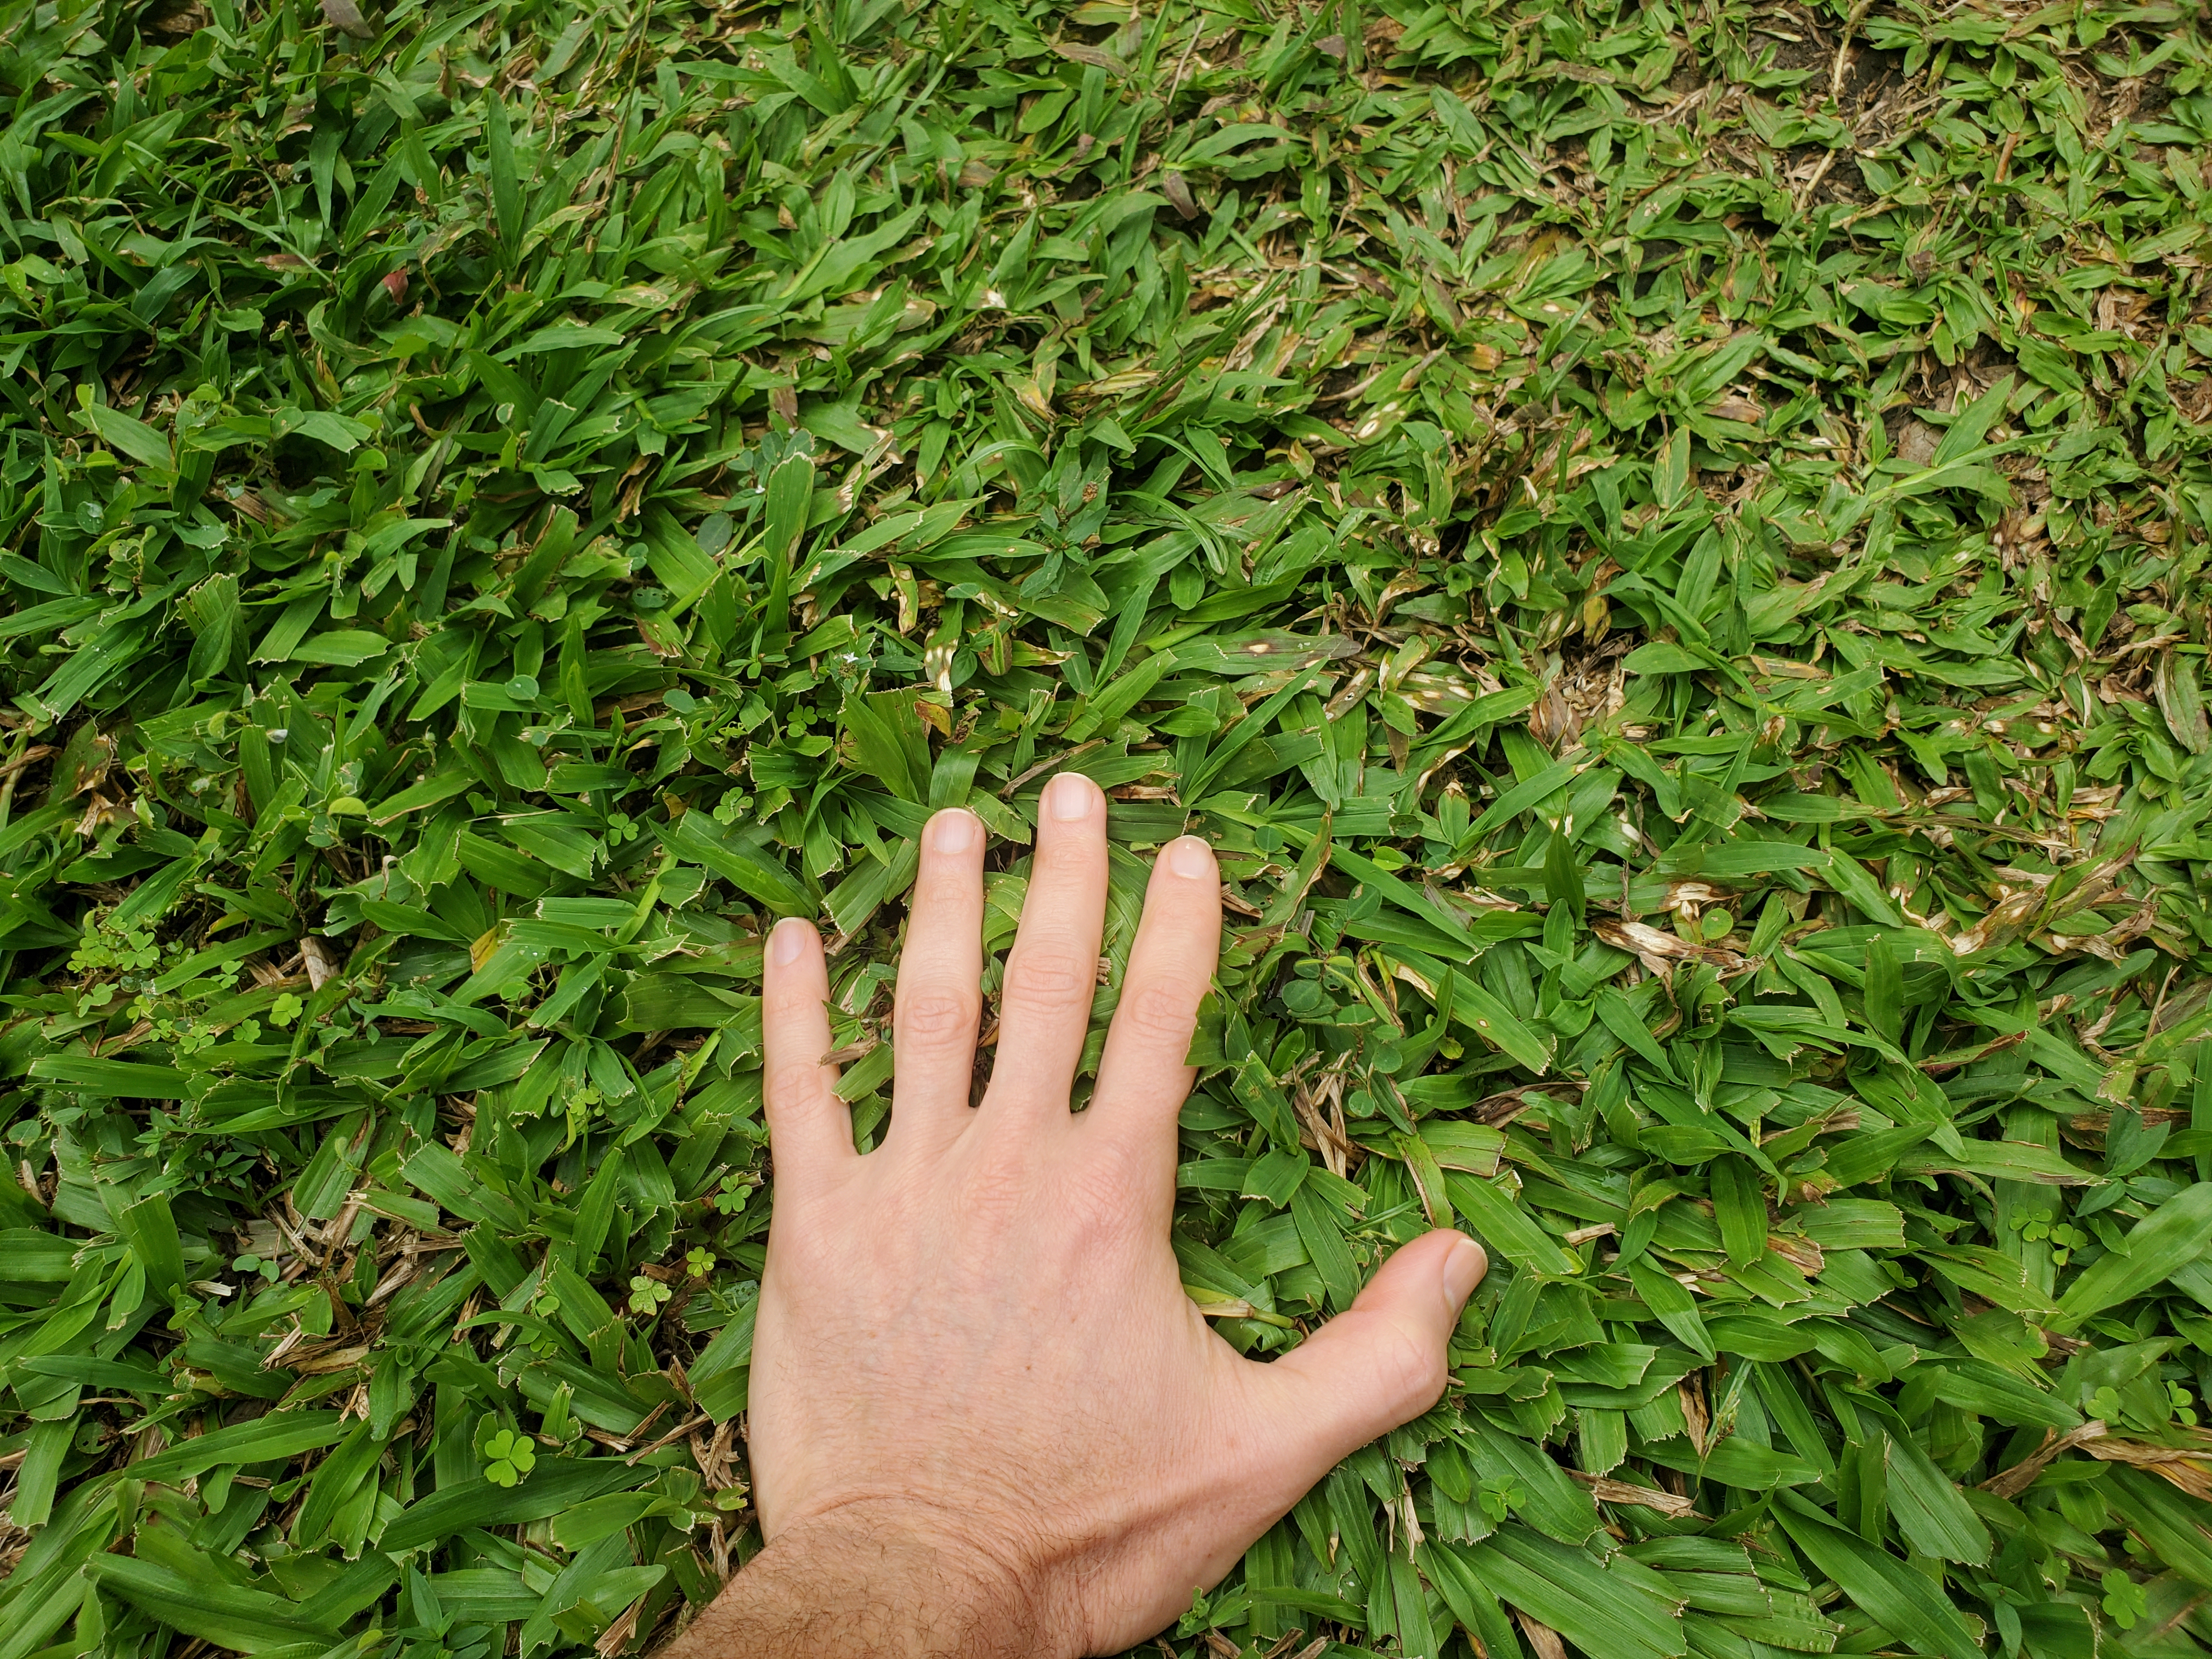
column 986, row 1417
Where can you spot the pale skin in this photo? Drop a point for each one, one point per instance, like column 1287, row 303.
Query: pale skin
column 986, row 1418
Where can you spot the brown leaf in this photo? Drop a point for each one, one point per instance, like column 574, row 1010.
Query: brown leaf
column 1693, row 1414
column 1496, row 1110
column 1918, row 442
column 1607, row 1490
column 86, row 759
column 613, row 1639
column 2189, row 1467
column 1092, row 56
column 2010, row 1483
column 1658, row 950
column 1541, row 1637
column 2006, row 921
column 1689, row 895
column 344, row 14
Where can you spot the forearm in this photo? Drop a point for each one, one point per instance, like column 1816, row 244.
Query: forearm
column 857, row 1585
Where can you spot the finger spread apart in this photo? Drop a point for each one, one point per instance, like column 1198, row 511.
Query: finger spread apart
column 1144, row 1076
column 809, row 1127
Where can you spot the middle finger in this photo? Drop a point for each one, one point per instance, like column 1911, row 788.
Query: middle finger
column 1052, row 972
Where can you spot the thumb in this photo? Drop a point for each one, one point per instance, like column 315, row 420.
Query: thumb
column 1381, row 1362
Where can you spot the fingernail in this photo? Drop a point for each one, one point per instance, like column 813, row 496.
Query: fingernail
column 1190, row 857
column 1464, row 1269
column 953, row 831
column 789, row 940
column 1069, row 796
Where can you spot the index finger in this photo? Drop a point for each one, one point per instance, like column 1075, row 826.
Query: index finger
column 810, row 1130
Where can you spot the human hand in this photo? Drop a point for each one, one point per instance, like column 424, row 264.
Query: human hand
column 985, row 1416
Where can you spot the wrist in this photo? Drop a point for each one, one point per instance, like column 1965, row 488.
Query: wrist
column 877, row 1577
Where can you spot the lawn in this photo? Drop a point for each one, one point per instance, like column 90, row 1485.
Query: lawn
column 1664, row 544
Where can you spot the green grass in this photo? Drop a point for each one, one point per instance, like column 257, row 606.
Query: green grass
column 1664, row 546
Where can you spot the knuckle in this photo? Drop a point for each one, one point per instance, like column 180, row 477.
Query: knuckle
column 1413, row 1372
column 1050, row 974
column 1160, row 1014
column 933, row 1018
column 795, row 1084
column 789, row 1004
